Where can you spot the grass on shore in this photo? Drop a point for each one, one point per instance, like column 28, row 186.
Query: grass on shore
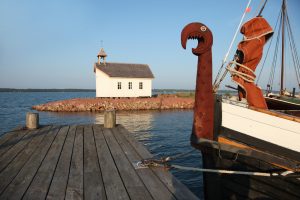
column 185, row 94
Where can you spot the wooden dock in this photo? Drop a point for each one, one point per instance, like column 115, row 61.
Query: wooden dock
column 81, row 162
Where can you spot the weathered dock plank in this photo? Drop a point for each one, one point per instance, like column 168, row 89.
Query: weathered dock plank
column 75, row 182
column 19, row 185
column 131, row 179
column 93, row 185
column 8, row 136
column 82, row 162
column 157, row 189
column 114, row 186
column 12, row 152
column 59, row 182
column 9, row 141
column 39, row 186
column 7, row 175
column 176, row 187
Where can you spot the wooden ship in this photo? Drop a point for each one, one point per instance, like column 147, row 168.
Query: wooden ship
column 244, row 136
column 284, row 101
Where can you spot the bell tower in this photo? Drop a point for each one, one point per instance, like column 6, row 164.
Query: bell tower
column 101, row 56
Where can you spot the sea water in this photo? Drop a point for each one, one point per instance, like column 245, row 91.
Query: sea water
column 164, row 133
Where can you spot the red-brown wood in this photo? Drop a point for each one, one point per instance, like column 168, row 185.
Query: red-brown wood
column 204, row 100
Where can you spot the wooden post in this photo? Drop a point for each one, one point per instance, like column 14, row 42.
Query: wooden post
column 294, row 92
column 109, row 119
column 32, row 120
column 217, row 115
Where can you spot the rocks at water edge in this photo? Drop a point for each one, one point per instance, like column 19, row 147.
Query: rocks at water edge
column 100, row 104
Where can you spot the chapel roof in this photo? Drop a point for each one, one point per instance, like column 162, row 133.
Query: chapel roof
column 125, row 70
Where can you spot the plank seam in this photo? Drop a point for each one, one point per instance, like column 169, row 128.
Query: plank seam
column 35, row 149
column 8, row 135
column 40, row 164
column 114, row 160
column 7, row 141
column 57, row 161
column 77, row 152
column 70, row 163
column 99, row 160
column 272, row 195
column 269, row 184
column 26, row 144
column 119, row 173
column 83, row 159
column 131, row 163
column 153, row 171
column 239, row 193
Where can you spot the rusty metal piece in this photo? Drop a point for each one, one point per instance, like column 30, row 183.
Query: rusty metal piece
column 204, row 99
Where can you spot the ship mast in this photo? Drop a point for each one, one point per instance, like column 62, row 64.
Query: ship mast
column 282, row 50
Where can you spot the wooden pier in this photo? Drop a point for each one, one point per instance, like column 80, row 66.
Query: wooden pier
column 81, row 162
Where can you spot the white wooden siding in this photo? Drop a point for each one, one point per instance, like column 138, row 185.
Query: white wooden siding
column 108, row 86
column 276, row 130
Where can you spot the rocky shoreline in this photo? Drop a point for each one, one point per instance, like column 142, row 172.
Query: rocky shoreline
column 101, row 104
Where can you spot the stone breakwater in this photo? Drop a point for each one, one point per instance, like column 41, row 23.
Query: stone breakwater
column 101, row 104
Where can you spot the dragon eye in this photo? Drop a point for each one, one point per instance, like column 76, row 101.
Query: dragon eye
column 203, row 28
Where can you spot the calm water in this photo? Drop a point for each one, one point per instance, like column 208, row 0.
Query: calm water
column 164, row 133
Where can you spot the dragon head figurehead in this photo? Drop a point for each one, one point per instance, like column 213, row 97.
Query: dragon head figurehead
column 204, row 99
column 199, row 32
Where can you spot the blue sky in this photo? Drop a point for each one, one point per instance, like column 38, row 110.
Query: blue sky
column 53, row 44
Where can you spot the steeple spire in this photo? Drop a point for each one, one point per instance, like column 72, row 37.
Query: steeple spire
column 101, row 56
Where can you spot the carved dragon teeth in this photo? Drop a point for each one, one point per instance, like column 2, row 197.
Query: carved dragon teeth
column 194, row 36
column 194, row 31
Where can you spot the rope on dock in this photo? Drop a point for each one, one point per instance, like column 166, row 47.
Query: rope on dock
column 222, row 171
column 169, row 158
column 164, row 163
column 152, row 163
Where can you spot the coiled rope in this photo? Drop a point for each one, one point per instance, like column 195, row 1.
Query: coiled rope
column 242, row 75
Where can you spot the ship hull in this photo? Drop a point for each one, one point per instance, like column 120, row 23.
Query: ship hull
column 231, row 186
column 251, row 141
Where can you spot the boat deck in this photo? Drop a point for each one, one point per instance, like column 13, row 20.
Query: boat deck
column 81, row 162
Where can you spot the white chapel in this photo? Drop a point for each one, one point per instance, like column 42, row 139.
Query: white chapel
column 122, row 79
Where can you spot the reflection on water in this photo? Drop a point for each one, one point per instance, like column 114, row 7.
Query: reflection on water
column 133, row 121
column 164, row 133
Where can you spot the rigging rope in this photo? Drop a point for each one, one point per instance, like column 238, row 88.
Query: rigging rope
column 218, row 80
column 216, row 85
column 259, row 6
column 262, row 67
column 293, row 50
column 262, row 8
column 274, row 62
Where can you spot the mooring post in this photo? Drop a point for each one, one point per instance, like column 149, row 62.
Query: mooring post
column 32, row 120
column 109, row 119
column 294, row 92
